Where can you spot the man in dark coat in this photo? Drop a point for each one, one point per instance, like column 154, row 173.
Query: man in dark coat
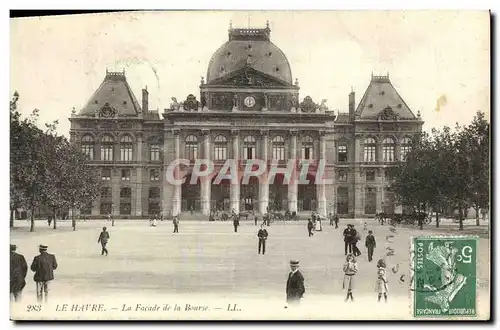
column 18, row 271
column 348, row 237
column 262, row 235
column 370, row 244
column 176, row 224
column 43, row 265
column 310, row 226
column 103, row 239
column 336, row 219
column 295, row 284
column 236, row 223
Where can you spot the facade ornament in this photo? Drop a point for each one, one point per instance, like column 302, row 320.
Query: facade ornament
column 297, row 82
column 386, row 114
column 308, row 105
column 418, row 114
column 176, row 131
column 264, row 132
column 174, row 106
column 203, row 101
column 191, row 104
column 235, row 102
column 73, row 112
column 205, row 132
column 203, row 80
column 294, row 132
column 323, row 107
column 266, row 102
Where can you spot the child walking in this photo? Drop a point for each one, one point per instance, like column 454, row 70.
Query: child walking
column 350, row 269
column 382, row 286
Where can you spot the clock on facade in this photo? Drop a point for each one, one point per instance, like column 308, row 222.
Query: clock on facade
column 249, row 101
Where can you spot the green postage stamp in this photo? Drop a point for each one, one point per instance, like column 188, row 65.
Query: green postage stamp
column 444, row 276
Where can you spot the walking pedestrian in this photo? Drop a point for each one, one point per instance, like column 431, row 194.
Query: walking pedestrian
column 43, row 265
column 350, row 269
column 330, row 216
column 18, row 271
column 355, row 239
column 336, row 219
column 236, row 223
column 176, row 224
column 103, row 239
column 262, row 235
column 382, row 286
column 310, row 226
column 255, row 219
column 347, row 239
column 295, row 284
column 370, row 244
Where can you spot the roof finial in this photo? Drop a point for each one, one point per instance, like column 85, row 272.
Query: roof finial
column 106, row 71
column 297, row 82
column 352, row 89
column 267, row 24
column 230, row 25
column 123, row 70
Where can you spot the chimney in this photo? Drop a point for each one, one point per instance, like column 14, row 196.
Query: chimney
column 352, row 104
column 145, row 95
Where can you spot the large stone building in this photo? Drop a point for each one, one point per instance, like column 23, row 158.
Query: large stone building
column 248, row 108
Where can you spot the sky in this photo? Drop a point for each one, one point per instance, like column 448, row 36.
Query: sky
column 56, row 63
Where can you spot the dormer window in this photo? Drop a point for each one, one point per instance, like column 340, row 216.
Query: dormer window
column 268, row 54
column 228, row 54
column 222, row 69
column 277, row 69
column 124, row 102
column 96, row 102
column 382, row 93
column 370, row 105
column 399, row 105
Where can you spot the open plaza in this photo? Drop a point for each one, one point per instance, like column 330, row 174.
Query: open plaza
column 208, row 265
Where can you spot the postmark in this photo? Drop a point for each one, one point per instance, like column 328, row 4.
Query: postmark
column 443, row 281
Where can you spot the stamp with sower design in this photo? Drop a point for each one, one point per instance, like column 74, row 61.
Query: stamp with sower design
column 444, row 276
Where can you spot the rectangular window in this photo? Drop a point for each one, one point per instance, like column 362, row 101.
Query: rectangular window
column 155, row 152
column 405, row 149
column 126, row 153
column 107, row 152
column 342, row 176
column 370, row 153
column 105, row 208
column 279, row 153
column 220, row 152
column 307, row 153
column 88, row 150
column 370, row 175
column 191, row 151
column 342, row 153
column 388, row 153
column 125, row 208
column 249, row 153
column 154, row 175
column 106, row 174
column 106, row 193
column 125, row 175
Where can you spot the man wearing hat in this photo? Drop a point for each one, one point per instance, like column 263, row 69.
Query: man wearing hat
column 295, row 284
column 262, row 235
column 43, row 265
column 18, row 271
column 103, row 239
column 349, row 235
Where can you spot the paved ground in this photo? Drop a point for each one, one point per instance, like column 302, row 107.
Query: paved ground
column 210, row 260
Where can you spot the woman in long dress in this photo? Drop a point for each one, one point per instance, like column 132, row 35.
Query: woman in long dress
column 382, row 287
column 350, row 269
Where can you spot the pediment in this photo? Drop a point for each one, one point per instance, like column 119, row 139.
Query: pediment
column 249, row 77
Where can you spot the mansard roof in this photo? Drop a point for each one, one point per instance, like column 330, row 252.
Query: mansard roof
column 114, row 97
column 381, row 98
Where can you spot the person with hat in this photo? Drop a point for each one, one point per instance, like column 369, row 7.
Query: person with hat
column 18, row 271
column 43, row 265
column 370, row 244
column 347, row 239
column 103, row 239
column 262, row 235
column 310, row 226
column 295, row 284
column 176, row 224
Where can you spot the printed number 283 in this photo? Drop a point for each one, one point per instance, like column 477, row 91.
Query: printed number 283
column 466, row 255
column 33, row 308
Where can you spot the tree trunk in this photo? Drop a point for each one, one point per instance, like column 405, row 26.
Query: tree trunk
column 420, row 222
column 437, row 219
column 54, row 219
column 12, row 218
column 32, row 225
column 477, row 215
column 460, row 217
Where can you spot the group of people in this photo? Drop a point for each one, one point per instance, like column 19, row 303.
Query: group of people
column 43, row 266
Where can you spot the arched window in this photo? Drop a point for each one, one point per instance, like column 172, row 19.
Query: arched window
column 88, row 146
column 370, row 150
column 278, row 148
column 154, row 152
column 126, row 147
column 405, row 148
column 307, row 147
column 191, row 147
column 249, row 145
column 388, row 146
column 220, row 148
column 107, row 144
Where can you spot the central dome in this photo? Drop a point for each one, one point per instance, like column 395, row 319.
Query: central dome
column 249, row 47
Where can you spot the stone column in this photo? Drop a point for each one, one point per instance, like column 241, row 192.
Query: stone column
column 378, row 206
column 292, row 185
column 205, row 182
column 115, row 184
column 263, row 182
column 138, row 180
column 320, row 188
column 176, row 200
column 359, row 205
column 235, row 188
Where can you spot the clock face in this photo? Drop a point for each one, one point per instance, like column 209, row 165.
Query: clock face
column 249, row 101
